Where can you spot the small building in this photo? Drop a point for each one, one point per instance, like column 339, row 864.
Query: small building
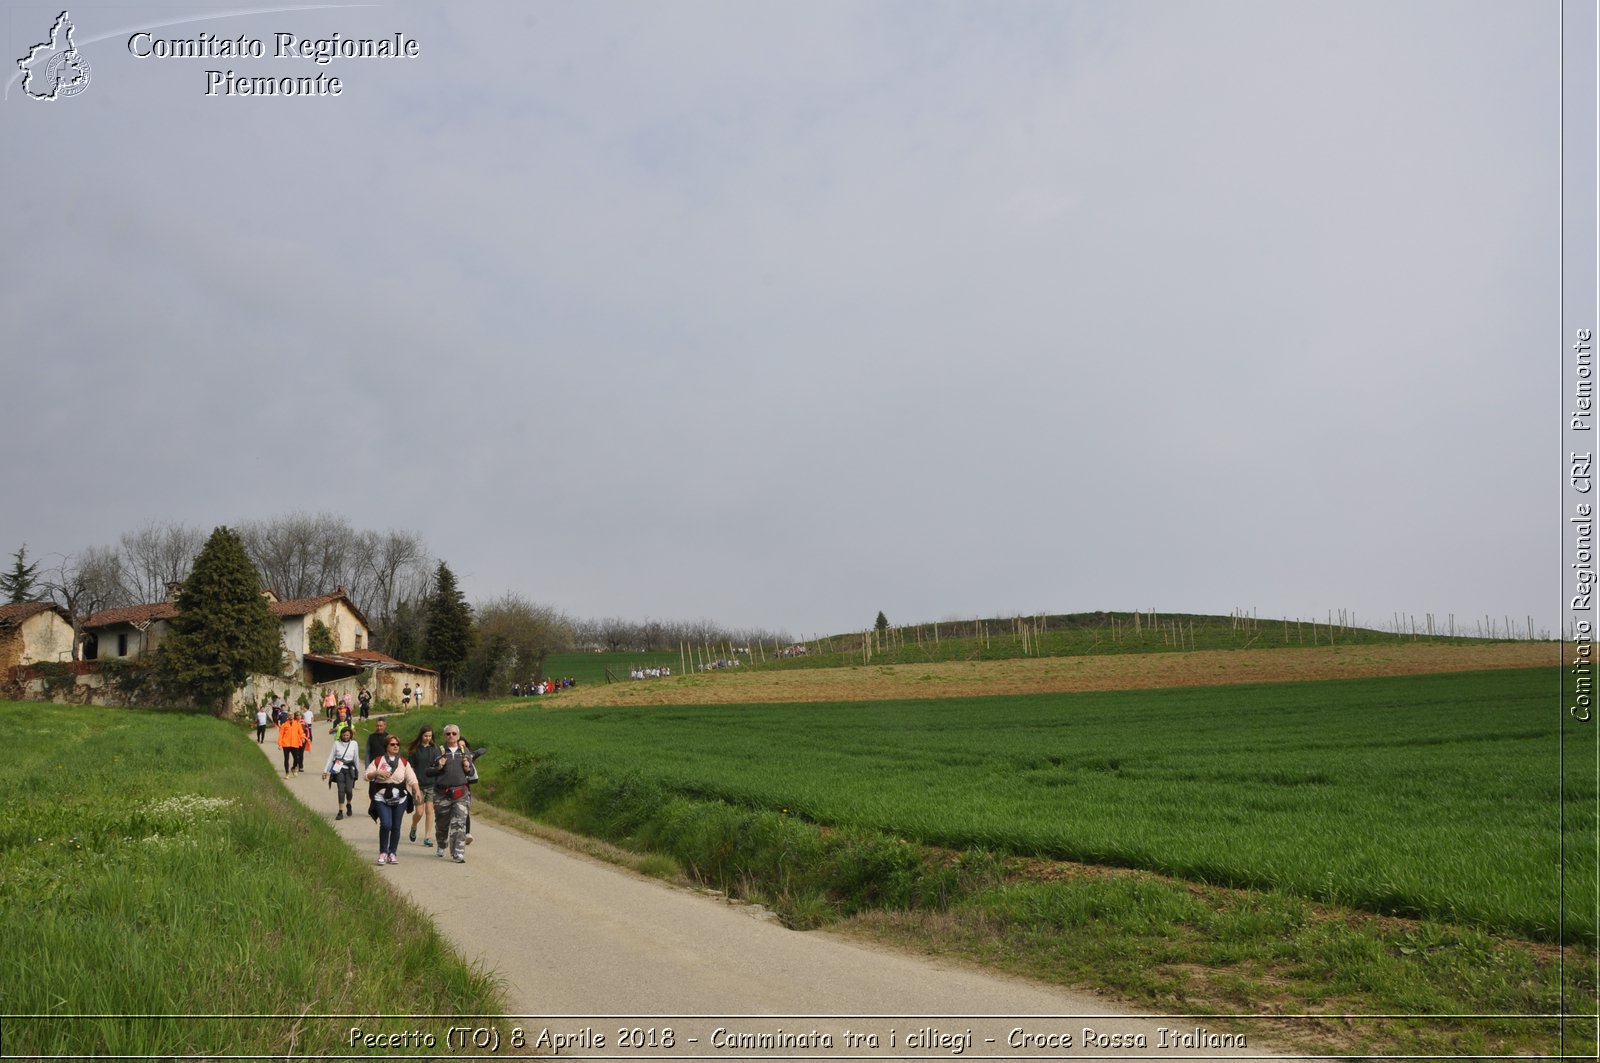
column 132, row 631
column 346, row 625
column 390, row 677
column 31, row 632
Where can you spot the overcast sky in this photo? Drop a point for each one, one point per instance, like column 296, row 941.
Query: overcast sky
column 779, row 314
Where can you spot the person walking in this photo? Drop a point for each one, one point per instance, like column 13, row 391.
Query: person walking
column 344, row 760
column 453, row 775
column 392, row 779
column 365, row 700
column 423, row 755
column 378, row 740
column 292, row 740
column 261, row 724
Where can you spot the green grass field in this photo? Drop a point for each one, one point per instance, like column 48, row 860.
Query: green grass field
column 589, row 669
column 1435, row 796
column 153, row 869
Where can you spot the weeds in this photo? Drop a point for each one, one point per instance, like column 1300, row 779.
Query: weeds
column 152, row 874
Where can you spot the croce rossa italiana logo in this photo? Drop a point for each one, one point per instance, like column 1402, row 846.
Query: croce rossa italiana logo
column 55, row 69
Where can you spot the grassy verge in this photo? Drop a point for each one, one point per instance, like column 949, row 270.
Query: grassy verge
column 154, row 873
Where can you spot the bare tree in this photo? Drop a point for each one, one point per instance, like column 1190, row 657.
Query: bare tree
column 157, row 556
column 83, row 584
column 301, row 556
column 392, row 567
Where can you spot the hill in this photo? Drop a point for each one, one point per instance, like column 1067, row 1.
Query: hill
column 1039, row 675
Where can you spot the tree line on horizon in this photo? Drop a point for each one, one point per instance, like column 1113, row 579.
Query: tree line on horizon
column 413, row 604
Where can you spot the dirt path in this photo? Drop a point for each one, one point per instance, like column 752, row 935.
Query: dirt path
column 575, row 939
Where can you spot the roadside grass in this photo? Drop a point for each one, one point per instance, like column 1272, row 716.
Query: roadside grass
column 161, row 895
column 1396, row 987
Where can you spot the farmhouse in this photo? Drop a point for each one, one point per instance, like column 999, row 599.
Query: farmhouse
column 132, row 632
column 31, row 632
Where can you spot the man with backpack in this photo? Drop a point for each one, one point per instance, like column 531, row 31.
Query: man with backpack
column 453, row 776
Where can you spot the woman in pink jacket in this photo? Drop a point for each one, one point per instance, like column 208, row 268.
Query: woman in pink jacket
column 392, row 779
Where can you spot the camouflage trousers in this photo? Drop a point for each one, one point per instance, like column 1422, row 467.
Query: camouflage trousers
column 450, row 822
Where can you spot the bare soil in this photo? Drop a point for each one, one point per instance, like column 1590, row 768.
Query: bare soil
column 1047, row 675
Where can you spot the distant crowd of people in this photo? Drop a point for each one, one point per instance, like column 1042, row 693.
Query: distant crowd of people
column 649, row 673
column 544, row 686
column 722, row 662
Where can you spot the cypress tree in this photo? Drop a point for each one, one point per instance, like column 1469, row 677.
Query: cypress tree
column 447, row 639
column 18, row 584
column 224, row 630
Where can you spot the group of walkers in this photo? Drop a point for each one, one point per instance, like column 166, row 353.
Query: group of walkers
column 431, row 781
column 341, row 709
column 294, row 732
column 544, row 686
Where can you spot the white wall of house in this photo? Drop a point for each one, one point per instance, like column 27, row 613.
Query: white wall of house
column 125, row 640
column 46, row 637
column 349, row 633
column 294, row 637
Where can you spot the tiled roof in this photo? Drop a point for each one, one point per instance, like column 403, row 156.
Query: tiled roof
column 306, row 606
column 302, row 606
column 133, row 614
column 12, row 614
column 142, row 614
column 366, row 659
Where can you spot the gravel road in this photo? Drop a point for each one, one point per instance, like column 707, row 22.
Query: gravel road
column 586, row 950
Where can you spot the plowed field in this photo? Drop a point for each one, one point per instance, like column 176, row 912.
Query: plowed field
column 1064, row 674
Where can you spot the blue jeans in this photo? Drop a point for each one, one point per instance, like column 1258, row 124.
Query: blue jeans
column 390, row 817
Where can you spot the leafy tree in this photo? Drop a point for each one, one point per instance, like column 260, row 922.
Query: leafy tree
column 320, row 638
column 447, row 639
column 224, row 630
column 401, row 637
column 882, row 623
column 488, row 659
column 18, row 585
column 512, row 637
